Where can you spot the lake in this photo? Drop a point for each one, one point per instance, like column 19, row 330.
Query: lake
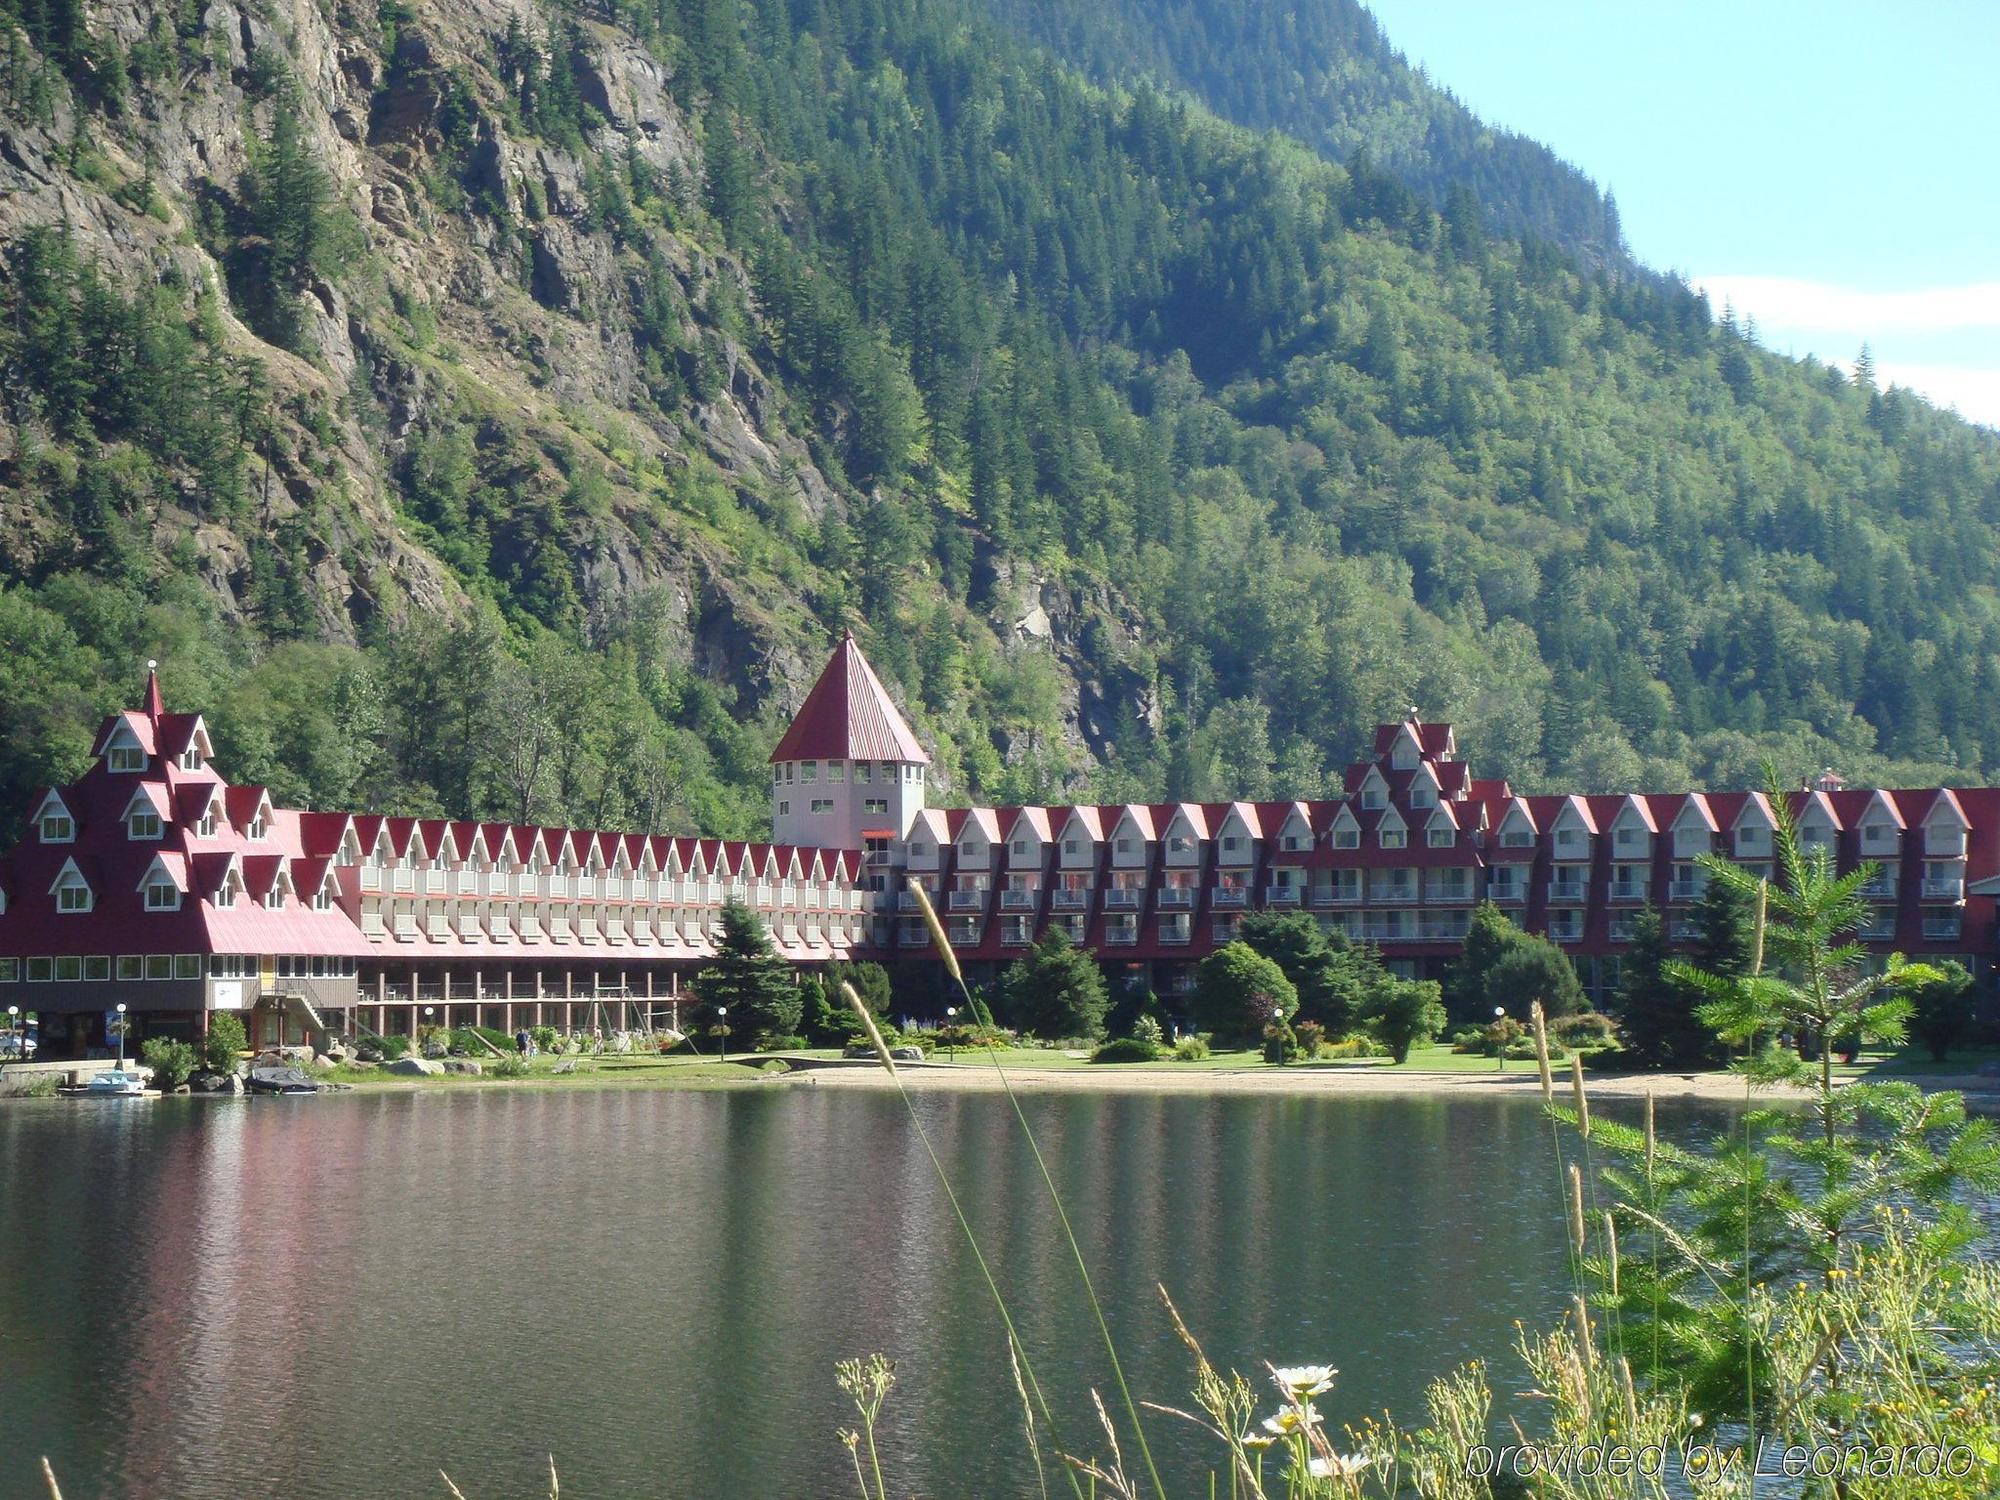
column 338, row 1296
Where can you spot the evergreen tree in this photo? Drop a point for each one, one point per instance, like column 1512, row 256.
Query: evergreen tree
column 1532, row 969
column 1657, row 1010
column 1238, row 992
column 1331, row 976
column 748, row 979
column 1489, row 937
column 1054, row 991
column 1723, row 929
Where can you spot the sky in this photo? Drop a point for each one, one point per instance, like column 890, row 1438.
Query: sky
column 1829, row 169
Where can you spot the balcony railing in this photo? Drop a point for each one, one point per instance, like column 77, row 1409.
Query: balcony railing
column 1445, row 927
column 1567, row 890
column 968, row 900
column 1936, row 889
column 1177, row 897
column 1232, row 895
column 1222, row 932
column 1281, row 895
column 1881, row 927
column 1507, row 895
column 1628, row 890
column 1440, row 891
column 1566, row 932
column 964, row 933
column 1685, row 890
column 1124, row 898
column 1941, row 929
column 1016, row 932
column 1018, row 900
column 1176, row 930
column 1397, row 894
column 1072, row 898
column 1121, row 934
column 1881, row 888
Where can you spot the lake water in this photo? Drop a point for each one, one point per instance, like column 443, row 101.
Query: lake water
column 337, row 1297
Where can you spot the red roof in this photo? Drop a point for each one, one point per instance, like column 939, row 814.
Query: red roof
column 848, row 715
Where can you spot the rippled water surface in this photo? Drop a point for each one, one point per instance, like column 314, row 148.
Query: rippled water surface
column 335, row 1297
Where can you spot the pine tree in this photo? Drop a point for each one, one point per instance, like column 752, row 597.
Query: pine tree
column 749, row 980
column 1055, row 990
column 1656, row 1010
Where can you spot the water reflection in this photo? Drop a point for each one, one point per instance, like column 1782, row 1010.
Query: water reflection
column 332, row 1297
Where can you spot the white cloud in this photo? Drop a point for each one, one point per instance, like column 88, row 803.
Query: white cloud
column 1828, row 308
column 1976, row 393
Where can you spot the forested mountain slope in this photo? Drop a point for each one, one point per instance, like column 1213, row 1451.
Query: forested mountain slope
column 496, row 409
column 1323, row 72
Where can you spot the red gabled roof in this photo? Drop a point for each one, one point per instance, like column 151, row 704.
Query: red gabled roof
column 848, row 715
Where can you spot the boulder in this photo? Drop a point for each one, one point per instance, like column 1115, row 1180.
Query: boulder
column 233, row 1084
column 324, row 1060
column 462, row 1065
column 408, row 1065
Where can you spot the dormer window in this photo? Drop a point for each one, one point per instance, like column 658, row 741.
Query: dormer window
column 323, row 898
column 1124, row 846
column 1628, row 838
column 274, row 899
column 968, row 850
column 1293, row 843
column 73, row 893
column 161, row 893
column 1347, row 838
column 1374, row 798
column 58, row 827
column 126, row 757
column 1443, row 838
column 1231, row 843
column 225, row 897
column 1394, row 838
column 206, row 827
column 919, row 848
column 143, row 821
column 1069, row 846
column 191, row 758
column 1422, row 796
column 1569, row 838
column 1517, row 837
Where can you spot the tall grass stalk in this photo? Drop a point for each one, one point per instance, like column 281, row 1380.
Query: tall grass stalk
column 984, row 1016
column 1016, row 1349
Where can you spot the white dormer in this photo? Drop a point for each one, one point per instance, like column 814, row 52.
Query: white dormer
column 141, row 817
column 1344, row 832
column 1880, row 828
column 281, row 887
column 1132, row 837
column 214, row 814
column 229, row 890
column 1751, row 833
column 198, row 752
column 1077, row 845
column 1440, row 829
column 1183, row 839
column 1517, row 827
column 977, row 835
column 259, row 827
column 122, row 751
column 1374, row 790
column 928, row 835
column 1236, row 836
column 1694, row 827
column 1570, row 830
column 1295, row 835
column 1817, row 826
column 1028, row 839
column 160, row 887
column 1945, row 827
column 1424, row 788
column 53, row 821
column 1632, row 831
column 1392, row 832
column 71, row 890
column 1406, row 752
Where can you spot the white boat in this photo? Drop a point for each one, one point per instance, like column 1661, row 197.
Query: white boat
column 114, row 1083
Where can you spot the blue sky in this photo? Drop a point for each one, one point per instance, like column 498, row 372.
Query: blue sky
column 1828, row 168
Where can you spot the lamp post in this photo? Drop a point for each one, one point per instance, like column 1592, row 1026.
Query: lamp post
column 428, row 1013
column 951, row 1025
column 14, row 1025
column 1500, row 1054
column 722, row 1029
column 121, row 1036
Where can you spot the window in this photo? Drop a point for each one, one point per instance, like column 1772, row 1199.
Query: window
column 97, row 967
column 809, row 770
column 162, row 894
column 159, row 966
column 10, row 970
column 784, row 808
column 274, row 899
column 919, row 848
column 69, row 968
column 1394, row 838
column 1124, row 846
column 258, row 825
column 1069, row 846
column 875, row 805
column 1420, row 796
column 1517, row 838
column 1347, row 838
column 226, row 896
column 73, row 892
column 1443, row 838
column 144, row 823
column 323, row 899
column 130, row 966
column 57, row 828
column 1231, row 843
column 1628, row 838
column 1373, row 797
column 864, row 770
column 1293, row 843
column 41, row 970
column 1020, row 846
column 187, row 966
column 124, row 758
column 822, row 804
column 836, row 770
column 206, row 827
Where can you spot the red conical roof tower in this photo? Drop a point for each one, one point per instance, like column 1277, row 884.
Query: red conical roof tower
column 848, row 715
column 154, row 706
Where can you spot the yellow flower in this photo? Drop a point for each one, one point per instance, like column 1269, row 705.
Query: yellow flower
column 1289, row 1421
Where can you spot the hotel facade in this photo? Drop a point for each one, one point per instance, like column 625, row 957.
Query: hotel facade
column 152, row 882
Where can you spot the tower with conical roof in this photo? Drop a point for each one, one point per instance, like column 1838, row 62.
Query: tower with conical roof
column 848, row 773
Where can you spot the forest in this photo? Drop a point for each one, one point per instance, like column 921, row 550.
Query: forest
column 1294, row 432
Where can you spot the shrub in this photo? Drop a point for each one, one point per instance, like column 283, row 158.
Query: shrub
column 1281, row 1044
column 544, row 1037
column 1191, row 1048
column 513, row 1065
column 226, row 1038
column 1125, row 1049
column 172, row 1062
column 1501, row 1036
column 781, row 1044
column 391, row 1047
column 1312, row 1038
column 1147, row 1029
column 1355, row 1046
column 1406, row 1011
column 1239, row 992
column 434, row 1041
column 1585, row 1029
column 41, row 1086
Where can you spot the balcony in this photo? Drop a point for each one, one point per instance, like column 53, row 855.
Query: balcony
column 1510, row 894
column 1445, row 927
column 1176, row 930
column 1945, row 888
column 965, row 932
column 1401, row 894
column 906, row 901
column 1943, row 929
column 1072, row 898
column 1124, row 897
column 1881, row 888
column 1232, row 895
column 1881, row 927
column 1336, row 895
column 1221, row 932
column 1565, row 932
column 1019, row 899
column 1685, row 890
column 1016, row 932
column 1122, row 933
column 1441, row 890
column 1568, row 890
column 1628, row 890
column 973, row 900
column 1281, row 895
column 1177, row 897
